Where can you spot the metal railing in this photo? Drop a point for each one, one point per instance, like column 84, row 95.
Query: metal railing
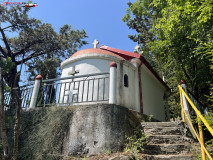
column 66, row 91
column 26, row 95
column 200, row 119
column 74, row 89
column 197, row 103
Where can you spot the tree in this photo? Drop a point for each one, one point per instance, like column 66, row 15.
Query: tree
column 180, row 29
column 139, row 17
column 33, row 39
column 180, row 37
column 2, row 117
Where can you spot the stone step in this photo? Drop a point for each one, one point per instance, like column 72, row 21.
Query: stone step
column 168, row 139
column 162, row 124
column 164, row 131
column 159, row 149
column 168, row 157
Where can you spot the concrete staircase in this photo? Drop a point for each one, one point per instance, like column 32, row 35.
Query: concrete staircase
column 166, row 141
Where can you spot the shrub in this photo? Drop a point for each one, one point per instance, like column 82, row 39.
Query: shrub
column 135, row 143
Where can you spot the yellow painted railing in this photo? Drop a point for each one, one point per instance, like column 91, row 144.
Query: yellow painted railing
column 200, row 120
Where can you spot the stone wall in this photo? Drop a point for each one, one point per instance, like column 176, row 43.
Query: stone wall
column 94, row 129
column 87, row 129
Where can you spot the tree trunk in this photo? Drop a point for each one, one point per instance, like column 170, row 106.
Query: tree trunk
column 15, row 103
column 18, row 115
column 2, row 119
column 10, row 78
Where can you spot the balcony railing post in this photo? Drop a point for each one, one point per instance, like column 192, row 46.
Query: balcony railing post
column 185, row 105
column 35, row 93
column 113, row 81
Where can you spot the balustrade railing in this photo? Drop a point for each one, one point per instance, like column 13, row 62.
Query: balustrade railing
column 90, row 88
column 197, row 103
column 26, row 95
column 74, row 89
column 65, row 91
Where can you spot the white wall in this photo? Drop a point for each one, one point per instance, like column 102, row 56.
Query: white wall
column 152, row 93
column 126, row 96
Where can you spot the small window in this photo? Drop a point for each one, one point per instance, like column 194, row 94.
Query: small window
column 126, row 83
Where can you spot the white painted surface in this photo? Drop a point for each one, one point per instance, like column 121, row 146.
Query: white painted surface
column 126, row 95
column 112, row 85
column 152, row 92
column 185, row 105
column 136, row 62
column 35, row 93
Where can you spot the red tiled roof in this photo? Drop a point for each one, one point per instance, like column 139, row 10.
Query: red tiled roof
column 125, row 54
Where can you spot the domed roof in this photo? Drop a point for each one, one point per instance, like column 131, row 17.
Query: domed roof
column 96, row 51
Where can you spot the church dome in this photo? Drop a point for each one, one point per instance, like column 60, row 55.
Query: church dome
column 95, row 51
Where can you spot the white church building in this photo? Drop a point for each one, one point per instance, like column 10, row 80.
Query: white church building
column 118, row 77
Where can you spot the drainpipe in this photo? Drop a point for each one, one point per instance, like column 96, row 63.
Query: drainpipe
column 140, row 86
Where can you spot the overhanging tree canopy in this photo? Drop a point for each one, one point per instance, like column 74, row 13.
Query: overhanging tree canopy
column 180, row 32
column 33, row 39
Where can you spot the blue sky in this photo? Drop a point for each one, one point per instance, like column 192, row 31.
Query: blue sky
column 101, row 19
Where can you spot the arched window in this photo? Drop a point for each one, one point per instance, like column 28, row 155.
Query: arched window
column 126, row 82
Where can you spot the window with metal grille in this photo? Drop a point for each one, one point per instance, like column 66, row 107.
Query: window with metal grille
column 126, row 83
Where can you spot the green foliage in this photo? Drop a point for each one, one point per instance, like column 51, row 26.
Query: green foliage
column 135, row 143
column 178, row 36
column 139, row 17
column 6, row 64
column 209, row 142
column 107, row 151
column 180, row 40
column 42, row 133
column 45, row 65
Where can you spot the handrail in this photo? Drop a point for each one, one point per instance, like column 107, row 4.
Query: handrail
column 200, row 117
column 73, row 77
column 203, row 147
column 197, row 111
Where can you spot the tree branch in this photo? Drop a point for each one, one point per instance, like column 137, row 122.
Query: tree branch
column 7, row 27
column 30, row 57
column 27, row 47
column 33, row 55
column 5, row 42
column 186, row 74
column 3, row 52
